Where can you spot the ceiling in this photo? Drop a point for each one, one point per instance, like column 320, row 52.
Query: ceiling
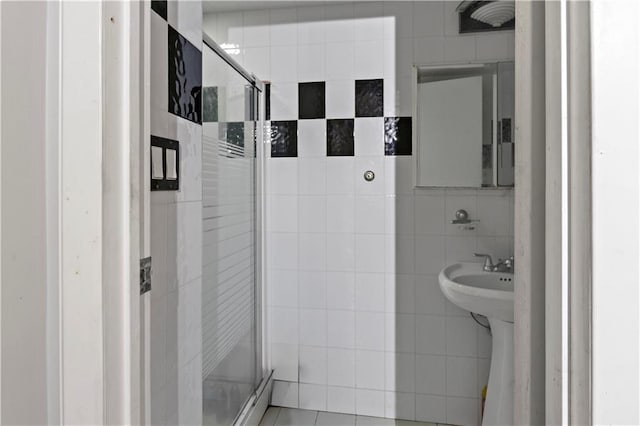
column 216, row 6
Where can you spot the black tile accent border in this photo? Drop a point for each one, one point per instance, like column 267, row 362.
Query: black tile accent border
column 145, row 275
column 284, row 138
column 267, row 108
column 397, row 136
column 340, row 137
column 232, row 133
column 505, row 130
column 160, row 7
column 165, row 184
column 311, row 100
column 370, row 98
column 185, row 78
column 209, row 104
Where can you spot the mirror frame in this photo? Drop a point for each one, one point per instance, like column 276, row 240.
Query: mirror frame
column 416, row 68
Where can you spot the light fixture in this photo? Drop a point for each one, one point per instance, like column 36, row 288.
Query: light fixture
column 495, row 13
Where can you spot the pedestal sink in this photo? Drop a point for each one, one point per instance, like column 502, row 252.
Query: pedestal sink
column 490, row 294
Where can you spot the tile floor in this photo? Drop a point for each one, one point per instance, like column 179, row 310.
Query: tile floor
column 277, row 416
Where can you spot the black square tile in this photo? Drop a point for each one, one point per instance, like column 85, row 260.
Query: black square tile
column 232, row 133
column 267, row 100
column 185, row 78
column 397, row 136
column 311, row 100
column 340, row 137
column 505, row 130
column 209, row 104
column 160, row 7
column 369, row 98
column 284, row 138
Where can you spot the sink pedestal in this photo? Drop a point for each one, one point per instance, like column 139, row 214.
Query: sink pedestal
column 498, row 407
column 469, row 287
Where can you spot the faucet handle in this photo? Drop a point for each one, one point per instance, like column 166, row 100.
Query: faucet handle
column 509, row 262
column 488, row 262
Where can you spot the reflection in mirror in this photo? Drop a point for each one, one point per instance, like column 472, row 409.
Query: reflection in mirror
column 506, row 112
column 457, row 143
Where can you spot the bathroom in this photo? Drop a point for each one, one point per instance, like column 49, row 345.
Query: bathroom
column 355, row 321
column 319, row 213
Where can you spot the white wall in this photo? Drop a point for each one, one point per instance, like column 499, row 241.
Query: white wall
column 358, row 322
column 616, row 195
column 24, row 291
column 176, row 242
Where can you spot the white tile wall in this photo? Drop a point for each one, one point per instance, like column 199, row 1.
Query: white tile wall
column 341, row 367
column 354, row 301
column 176, row 243
column 313, row 364
column 285, row 361
column 341, row 329
column 341, row 399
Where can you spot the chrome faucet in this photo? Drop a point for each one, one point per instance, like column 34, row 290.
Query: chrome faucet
column 488, row 263
column 502, row 265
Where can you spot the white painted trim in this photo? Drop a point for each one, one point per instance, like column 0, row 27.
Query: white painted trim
column 568, row 213
column 81, row 301
column 123, row 193
column 53, row 191
column 554, row 283
column 91, row 131
column 529, row 299
column 579, row 222
column 145, row 206
column 99, row 213
column 0, row 209
column 116, row 205
column 563, row 278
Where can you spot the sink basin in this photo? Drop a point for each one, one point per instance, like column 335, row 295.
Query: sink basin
column 487, row 293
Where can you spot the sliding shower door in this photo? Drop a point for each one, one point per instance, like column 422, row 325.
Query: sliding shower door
column 231, row 327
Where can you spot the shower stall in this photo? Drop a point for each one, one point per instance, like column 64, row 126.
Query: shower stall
column 233, row 369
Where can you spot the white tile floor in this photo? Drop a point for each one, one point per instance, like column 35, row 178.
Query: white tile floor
column 277, row 416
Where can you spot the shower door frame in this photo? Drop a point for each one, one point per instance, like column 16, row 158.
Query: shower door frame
column 261, row 360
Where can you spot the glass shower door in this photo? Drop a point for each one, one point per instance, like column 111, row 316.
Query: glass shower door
column 232, row 366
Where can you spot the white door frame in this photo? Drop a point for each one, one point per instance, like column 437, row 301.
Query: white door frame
column 82, row 364
column 125, row 210
column 94, row 112
column 529, row 253
column 553, row 214
column 103, row 210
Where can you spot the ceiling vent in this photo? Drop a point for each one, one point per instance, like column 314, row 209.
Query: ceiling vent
column 478, row 16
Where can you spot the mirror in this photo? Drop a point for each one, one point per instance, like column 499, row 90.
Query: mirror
column 457, row 144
